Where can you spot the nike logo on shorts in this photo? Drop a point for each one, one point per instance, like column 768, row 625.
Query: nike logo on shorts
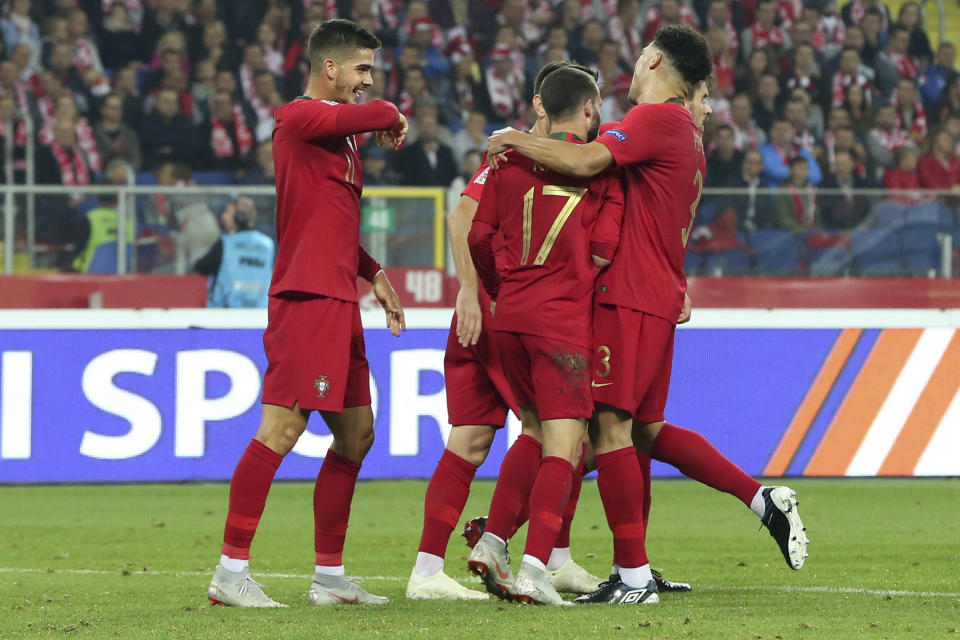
column 596, row 385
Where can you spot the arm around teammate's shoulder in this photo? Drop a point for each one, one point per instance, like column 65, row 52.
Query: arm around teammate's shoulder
column 580, row 160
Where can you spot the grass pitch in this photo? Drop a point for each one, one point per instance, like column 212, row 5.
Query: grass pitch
column 134, row 562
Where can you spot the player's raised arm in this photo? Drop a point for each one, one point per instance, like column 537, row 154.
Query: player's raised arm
column 581, row 160
column 606, row 232
column 480, row 239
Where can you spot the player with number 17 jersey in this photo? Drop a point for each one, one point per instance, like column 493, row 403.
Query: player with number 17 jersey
column 551, row 225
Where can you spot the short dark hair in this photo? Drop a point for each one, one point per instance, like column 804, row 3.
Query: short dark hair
column 723, row 127
column 687, row 51
column 550, row 67
column 896, row 28
column 338, row 39
column 795, row 160
column 565, row 90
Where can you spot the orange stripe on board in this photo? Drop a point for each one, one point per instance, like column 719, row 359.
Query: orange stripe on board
column 926, row 415
column 859, row 409
column 811, row 404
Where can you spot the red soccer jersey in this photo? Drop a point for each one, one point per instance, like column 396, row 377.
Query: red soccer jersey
column 550, row 225
column 474, row 190
column 660, row 151
column 319, row 180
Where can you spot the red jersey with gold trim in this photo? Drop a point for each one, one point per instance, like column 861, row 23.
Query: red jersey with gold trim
column 660, row 151
column 550, row 225
column 319, row 180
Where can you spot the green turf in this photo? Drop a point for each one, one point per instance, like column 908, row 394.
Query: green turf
column 156, row 546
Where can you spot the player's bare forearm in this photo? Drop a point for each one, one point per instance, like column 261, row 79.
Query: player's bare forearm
column 458, row 222
column 390, row 301
column 480, row 240
column 581, row 160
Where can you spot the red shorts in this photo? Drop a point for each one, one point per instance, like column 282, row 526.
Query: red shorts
column 550, row 375
column 477, row 391
column 632, row 360
column 315, row 353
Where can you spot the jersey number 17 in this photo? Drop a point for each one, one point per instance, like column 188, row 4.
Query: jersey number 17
column 573, row 195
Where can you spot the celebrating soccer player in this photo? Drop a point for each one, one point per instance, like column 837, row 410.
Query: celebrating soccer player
column 314, row 340
column 553, row 244
column 478, row 399
column 638, row 301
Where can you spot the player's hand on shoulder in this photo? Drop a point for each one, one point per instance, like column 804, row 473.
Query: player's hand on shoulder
column 498, row 142
column 390, row 301
column 469, row 317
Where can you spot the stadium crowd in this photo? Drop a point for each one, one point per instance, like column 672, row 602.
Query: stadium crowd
column 805, row 95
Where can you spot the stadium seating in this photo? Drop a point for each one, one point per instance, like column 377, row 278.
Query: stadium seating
column 727, row 263
column 876, row 252
column 776, row 252
column 889, row 214
column 693, row 263
column 921, row 251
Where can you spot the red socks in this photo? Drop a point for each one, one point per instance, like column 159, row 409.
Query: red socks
column 551, row 492
column 620, row 482
column 446, row 494
column 695, row 457
column 644, row 461
column 248, row 493
column 563, row 538
column 517, row 475
column 332, row 497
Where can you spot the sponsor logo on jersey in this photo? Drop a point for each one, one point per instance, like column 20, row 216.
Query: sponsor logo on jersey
column 616, row 133
column 322, row 385
column 482, row 176
column 330, row 102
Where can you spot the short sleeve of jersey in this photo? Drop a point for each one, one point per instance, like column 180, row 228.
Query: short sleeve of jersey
column 474, row 188
column 311, row 119
column 642, row 134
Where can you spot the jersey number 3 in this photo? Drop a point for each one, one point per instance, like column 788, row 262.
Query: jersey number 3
column 573, row 195
column 698, row 183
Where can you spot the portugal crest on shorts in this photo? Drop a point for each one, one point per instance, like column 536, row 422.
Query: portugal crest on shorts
column 322, row 383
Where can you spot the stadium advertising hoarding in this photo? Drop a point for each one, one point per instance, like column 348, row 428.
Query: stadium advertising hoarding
column 107, row 396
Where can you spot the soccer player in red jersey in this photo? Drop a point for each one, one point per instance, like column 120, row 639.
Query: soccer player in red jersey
column 556, row 232
column 638, row 301
column 478, row 399
column 314, row 340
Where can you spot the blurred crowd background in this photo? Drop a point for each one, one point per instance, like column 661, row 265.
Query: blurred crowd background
column 813, row 102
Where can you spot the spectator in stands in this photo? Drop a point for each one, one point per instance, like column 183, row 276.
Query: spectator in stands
column 747, row 134
column 849, row 74
column 765, row 34
column 752, row 209
column 240, row 263
column 940, row 169
column 66, row 110
column 426, row 162
column 166, row 135
column 904, row 176
column 204, row 13
column 668, row 12
column 125, row 86
column 86, row 55
column 796, row 113
column 911, row 116
column 229, row 135
column 948, row 102
column 884, row 139
column 846, row 140
column 796, row 204
column 623, row 31
column 99, row 226
column 161, row 19
column 432, row 60
column 217, row 47
column 8, row 117
column 765, row 106
column 778, row 153
column 724, row 161
column 119, row 43
column 614, row 109
column 919, row 47
column 115, row 139
column 806, row 74
column 376, row 170
column 266, row 100
column 592, row 39
column 62, row 162
column 472, row 136
column 61, row 65
column 203, row 86
column 718, row 17
column 855, row 11
column 268, row 39
column 830, row 30
column 557, row 40
column 936, row 76
column 505, row 86
column 263, row 171
column 855, row 103
column 19, row 28
column 11, row 85
column 845, row 210
column 898, row 52
column 252, row 62
column 414, row 87
column 758, row 65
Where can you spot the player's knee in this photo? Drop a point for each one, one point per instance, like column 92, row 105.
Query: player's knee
column 281, row 436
